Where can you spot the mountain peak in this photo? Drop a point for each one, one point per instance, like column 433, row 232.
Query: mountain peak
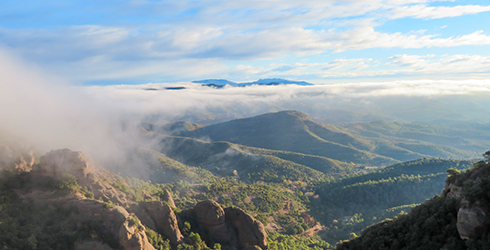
column 275, row 81
column 216, row 82
column 267, row 81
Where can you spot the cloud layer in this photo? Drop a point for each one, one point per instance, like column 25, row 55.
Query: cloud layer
column 141, row 41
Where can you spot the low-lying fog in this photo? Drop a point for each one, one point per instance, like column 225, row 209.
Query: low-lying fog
column 50, row 113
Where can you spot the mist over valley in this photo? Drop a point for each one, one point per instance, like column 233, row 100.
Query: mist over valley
column 244, row 125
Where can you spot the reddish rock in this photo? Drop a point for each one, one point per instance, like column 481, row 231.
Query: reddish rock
column 167, row 197
column 250, row 232
column 161, row 218
column 232, row 226
column 61, row 161
column 133, row 237
column 211, row 218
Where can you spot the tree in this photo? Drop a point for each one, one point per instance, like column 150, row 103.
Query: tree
column 486, row 155
column 453, row 171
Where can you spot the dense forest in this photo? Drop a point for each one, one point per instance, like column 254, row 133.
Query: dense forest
column 435, row 224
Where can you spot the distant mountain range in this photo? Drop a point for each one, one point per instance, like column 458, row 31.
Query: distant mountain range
column 219, row 83
column 292, row 136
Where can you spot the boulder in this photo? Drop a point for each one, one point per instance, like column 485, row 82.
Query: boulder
column 250, row 232
column 210, row 217
column 161, row 218
column 61, row 161
column 133, row 237
column 471, row 223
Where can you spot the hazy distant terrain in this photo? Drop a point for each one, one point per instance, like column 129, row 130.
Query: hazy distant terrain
column 366, row 144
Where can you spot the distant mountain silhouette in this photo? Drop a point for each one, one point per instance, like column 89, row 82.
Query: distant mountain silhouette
column 218, row 83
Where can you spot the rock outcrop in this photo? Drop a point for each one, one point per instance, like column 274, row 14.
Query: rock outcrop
column 471, row 223
column 19, row 161
column 115, row 220
column 167, row 197
column 210, row 217
column 473, row 220
column 250, row 232
column 133, row 237
column 58, row 162
column 231, row 227
column 115, row 226
column 161, row 218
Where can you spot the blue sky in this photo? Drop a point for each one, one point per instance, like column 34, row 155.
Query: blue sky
column 325, row 41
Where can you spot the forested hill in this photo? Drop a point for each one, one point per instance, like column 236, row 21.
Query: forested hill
column 269, row 170
column 457, row 219
column 375, row 143
column 382, row 194
column 295, row 132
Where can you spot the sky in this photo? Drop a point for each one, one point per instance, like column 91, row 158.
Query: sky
column 326, row 41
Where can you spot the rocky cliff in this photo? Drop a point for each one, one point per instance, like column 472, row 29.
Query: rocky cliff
column 56, row 187
column 471, row 189
column 231, row 227
column 457, row 219
column 125, row 229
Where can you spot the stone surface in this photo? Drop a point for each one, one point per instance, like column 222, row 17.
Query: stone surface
column 210, row 216
column 61, row 161
column 167, row 197
column 453, row 191
column 231, row 227
column 471, row 223
column 472, row 218
column 64, row 161
column 162, row 218
column 132, row 237
column 209, row 213
column 250, row 232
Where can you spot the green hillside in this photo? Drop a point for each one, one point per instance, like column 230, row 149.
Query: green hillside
column 378, row 195
column 446, row 141
column 293, row 131
column 227, row 159
column 437, row 223
column 325, row 165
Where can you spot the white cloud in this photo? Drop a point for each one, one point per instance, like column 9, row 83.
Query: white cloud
column 426, row 65
column 201, row 43
column 444, row 65
column 388, row 98
column 367, row 37
column 427, row 12
column 357, row 64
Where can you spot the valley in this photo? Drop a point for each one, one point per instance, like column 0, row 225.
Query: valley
column 309, row 184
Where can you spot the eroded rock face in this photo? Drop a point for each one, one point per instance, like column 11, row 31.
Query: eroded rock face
column 161, row 218
column 471, row 223
column 232, row 226
column 133, row 237
column 18, row 161
column 113, row 220
column 250, row 232
column 58, row 162
column 167, row 197
column 65, row 161
column 453, row 191
column 211, row 218
column 209, row 213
